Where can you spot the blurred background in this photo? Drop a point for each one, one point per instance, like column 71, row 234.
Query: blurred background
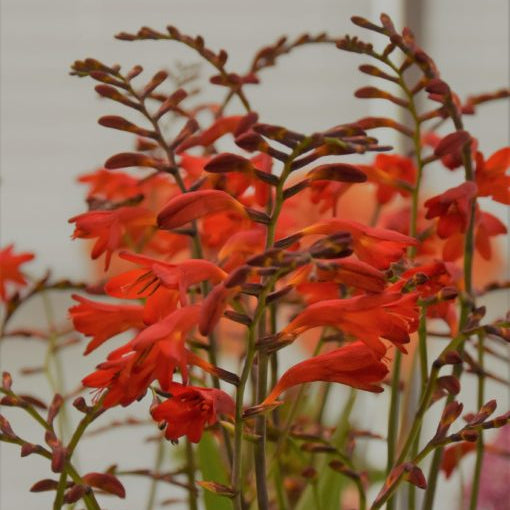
column 49, row 134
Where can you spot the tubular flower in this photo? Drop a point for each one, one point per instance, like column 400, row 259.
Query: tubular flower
column 392, row 174
column 491, row 177
column 112, row 228
column 376, row 246
column 240, row 247
column 193, row 205
column 369, row 318
column 190, row 409
column 154, row 354
column 141, row 284
column 154, row 273
column 103, row 321
column 452, row 209
column 347, row 271
column 10, row 269
column 355, row 365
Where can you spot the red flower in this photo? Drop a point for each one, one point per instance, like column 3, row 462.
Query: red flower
column 110, row 185
column 240, row 246
column 452, row 208
column 154, row 354
column 369, row 318
column 355, row 365
column 491, row 177
column 486, row 226
column 439, row 275
column 351, row 272
column 155, row 273
column 9, row 269
column 376, row 246
column 193, row 205
column 389, row 172
column 103, row 321
column 453, row 455
column 190, row 409
column 449, row 148
column 112, row 228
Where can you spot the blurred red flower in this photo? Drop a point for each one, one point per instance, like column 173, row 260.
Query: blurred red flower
column 10, row 269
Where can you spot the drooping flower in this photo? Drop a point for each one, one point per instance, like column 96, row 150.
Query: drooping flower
column 377, row 246
column 347, row 271
column 240, row 246
column 190, row 409
column 104, row 320
column 10, row 272
column 112, row 228
column 390, row 315
column 195, row 204
column 354, row 364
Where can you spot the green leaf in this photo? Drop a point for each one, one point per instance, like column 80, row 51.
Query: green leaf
column 212, row 466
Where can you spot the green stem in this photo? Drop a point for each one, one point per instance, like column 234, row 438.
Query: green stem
column 238, row 432
column 157, row 468
column 475, row 486
column 393, row 417
column 190, row 471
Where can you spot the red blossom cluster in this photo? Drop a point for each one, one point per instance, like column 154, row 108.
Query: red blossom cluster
column 211, row 255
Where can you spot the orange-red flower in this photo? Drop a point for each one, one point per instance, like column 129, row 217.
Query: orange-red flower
column 438, row 276
column 452, row 208
column 232, row 124
column 103, row 320
column 346, row 271
column 10, row 269
column 154, row 273
column 486, row 226
column 190, row 409
column 391, row 173
column 241, row 246
column 491, row 177
column 376, row 246
column 193, row 205
column 154, row 354
column 354, row 364
column 112, row 228
column 369, row 318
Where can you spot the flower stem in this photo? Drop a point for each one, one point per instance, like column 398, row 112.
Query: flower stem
column 475, row 486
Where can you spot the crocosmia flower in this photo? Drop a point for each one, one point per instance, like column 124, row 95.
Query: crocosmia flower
column 355, row 365
column 390, row 173
column 112, row 228
column 452, row 209
column 491, row 177
column 190, row 409
column 10, row 269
